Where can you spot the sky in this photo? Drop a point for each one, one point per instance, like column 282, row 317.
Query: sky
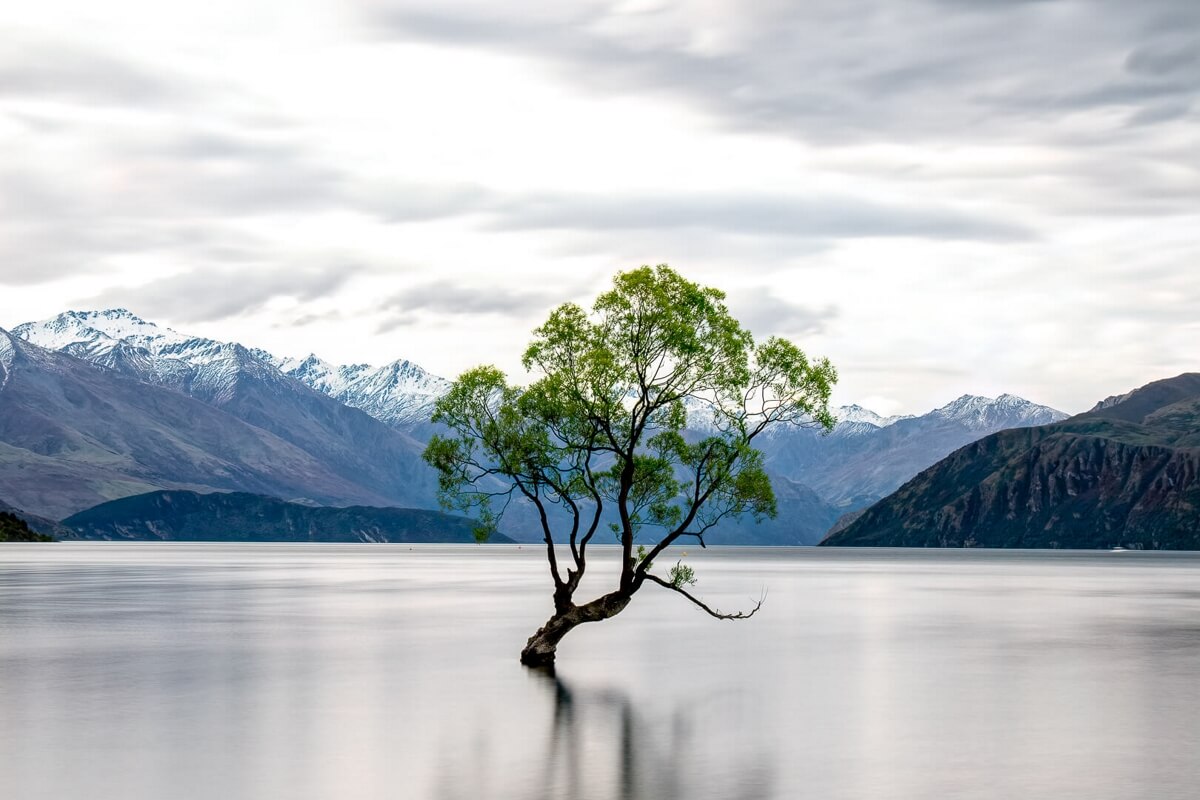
column 941, row 196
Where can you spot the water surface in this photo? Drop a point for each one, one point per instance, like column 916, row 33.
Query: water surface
column 389, row 671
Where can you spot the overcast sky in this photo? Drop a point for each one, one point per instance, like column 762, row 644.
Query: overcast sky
column 943, row 196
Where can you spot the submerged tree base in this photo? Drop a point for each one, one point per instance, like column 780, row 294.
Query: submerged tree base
column 539, row 652
column 543, row 645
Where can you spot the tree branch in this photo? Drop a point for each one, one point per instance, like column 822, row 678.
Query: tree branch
column 712, row 612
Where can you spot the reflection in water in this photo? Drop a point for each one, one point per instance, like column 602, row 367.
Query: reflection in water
column 647, row 766
column 600, row 745
column 311, row 672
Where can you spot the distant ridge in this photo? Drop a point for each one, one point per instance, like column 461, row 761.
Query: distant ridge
column 238, row 516
column 1126, row 473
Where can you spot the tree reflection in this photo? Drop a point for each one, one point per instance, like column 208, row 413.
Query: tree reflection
column 647, row 759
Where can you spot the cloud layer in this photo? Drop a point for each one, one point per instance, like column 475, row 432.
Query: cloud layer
column 942, row 195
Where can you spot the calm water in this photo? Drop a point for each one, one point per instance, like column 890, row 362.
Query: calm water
column 383, row 671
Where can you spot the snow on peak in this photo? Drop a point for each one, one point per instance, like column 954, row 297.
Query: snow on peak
column 855, row 413
column 1006, row 411
column 94, row 331
column 331, row 379
column 7, row 351
column 120, row 340
column 400, row 393
column 852, row 420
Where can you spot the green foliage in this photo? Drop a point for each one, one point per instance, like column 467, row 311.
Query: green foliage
column 681, row 575
column 640, row 556
column 15, row 529
column 601, row 425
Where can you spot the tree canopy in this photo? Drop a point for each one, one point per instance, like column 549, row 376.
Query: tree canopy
column 640, row 419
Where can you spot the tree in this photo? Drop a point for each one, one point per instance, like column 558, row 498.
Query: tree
column 599, row 435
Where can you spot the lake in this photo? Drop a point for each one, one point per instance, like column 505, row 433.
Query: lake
column 163, row 671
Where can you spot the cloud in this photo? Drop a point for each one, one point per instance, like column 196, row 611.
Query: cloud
column 204, row 295
column 446, row 298
column 304, row 320
column 816, row 217
column 397, row 201
column 40, row 69
column 765, row 313
column 441, row 300
column 182, row 192
column 838, row 69
column 980, row 160
column 1173, row 57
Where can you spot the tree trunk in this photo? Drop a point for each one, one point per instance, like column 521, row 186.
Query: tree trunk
column 540, row 649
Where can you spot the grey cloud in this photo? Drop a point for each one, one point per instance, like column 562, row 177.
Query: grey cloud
column 819, row 70
column 176, row 191
column 46, row 69
column 310, row 319
column 1162, row 112
column 763, row 312
column 444, row 297
column 763, row 214
column 410, row 202
column 54, row 223
column 211, row 294
column 1165, row 58
column 395, row 321
column 210, row 145
column 172, row 173
column 911, row 367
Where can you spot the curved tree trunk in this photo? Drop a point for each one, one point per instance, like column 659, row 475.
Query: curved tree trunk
column 540, row 649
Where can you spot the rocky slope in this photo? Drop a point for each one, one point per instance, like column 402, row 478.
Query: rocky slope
column 237, row 516
column 1126, row 473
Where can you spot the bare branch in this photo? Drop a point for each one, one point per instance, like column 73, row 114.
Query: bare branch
column 712, row 612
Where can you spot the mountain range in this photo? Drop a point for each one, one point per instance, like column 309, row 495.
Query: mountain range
column 102, row 416
column 1124, row 474
column 99, row 405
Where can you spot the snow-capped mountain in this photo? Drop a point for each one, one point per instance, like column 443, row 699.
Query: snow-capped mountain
column 330, row 379
column 852, row 420
column 371, row 460
column 401, row 393
column 93, row 333
column 75, row 434
column 987, row 415
column 856, row 413
column 8, row 353
column 867, row 456
column 122, row 341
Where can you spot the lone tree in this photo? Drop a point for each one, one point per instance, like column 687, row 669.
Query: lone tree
column 599, row 435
